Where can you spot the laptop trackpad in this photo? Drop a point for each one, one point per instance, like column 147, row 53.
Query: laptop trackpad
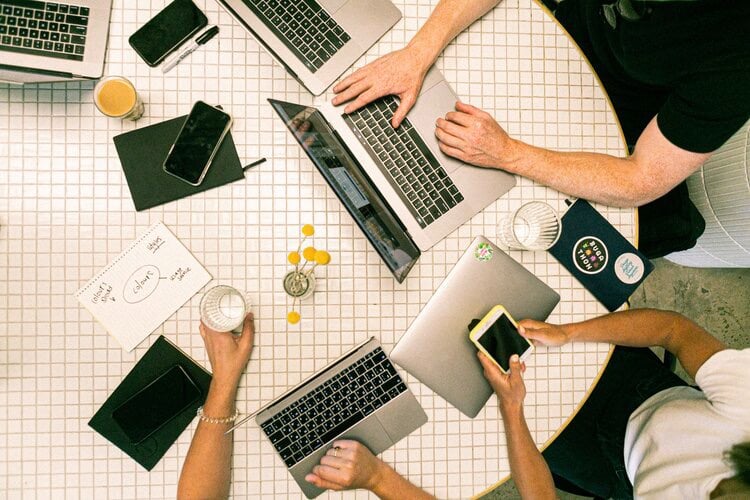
column 371, row 433
column 368, row 432
column 430, row 106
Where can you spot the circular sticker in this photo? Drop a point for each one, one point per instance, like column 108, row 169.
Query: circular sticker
column 590, row 255
column 629, row 268
column 483, row 252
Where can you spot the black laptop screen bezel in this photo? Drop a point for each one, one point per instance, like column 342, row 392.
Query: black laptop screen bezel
column 354, row 169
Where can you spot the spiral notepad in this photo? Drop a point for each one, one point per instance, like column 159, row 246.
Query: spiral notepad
column 143, row 286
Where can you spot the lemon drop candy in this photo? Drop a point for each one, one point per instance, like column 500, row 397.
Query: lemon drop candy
column 308, row 230
column 309, row 253
column 322, row 257
column 293, row 317
column 293, row 258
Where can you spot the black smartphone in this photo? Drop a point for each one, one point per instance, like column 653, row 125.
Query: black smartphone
column 156, row 404
column 197, row 143
column 496, row 335
column 167, row 30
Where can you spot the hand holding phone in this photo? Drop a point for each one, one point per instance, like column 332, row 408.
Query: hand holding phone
column 197, row 143
column 496, row 335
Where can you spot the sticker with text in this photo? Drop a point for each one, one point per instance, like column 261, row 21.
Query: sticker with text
column 483, row 252
column 590, row 255
column 629, row 268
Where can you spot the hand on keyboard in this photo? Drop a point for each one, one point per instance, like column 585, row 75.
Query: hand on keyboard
column 399, row 73
column 473, row 136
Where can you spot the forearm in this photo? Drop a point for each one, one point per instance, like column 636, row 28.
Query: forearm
column 601, row 178
column 207, row 469
column 633, row 328
column 527, row 466
column 449, row 18
column 390, row 485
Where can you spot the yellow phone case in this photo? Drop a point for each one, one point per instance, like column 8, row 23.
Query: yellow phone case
column 481, row 327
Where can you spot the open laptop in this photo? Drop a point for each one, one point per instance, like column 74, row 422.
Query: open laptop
column 402, row 191
column 53, row 41
column 360, row 396
column 315, row 40
column 436, row 347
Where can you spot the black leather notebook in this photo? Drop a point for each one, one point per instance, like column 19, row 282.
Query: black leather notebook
column 162, row 356
column 599, row 256
column 142, row 153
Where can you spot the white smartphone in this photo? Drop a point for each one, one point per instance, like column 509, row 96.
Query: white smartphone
column 197, row 143
column 496, row 335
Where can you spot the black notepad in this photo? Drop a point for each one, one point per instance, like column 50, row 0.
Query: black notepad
column 158, row 360
column 599, row 256
column 142, row 153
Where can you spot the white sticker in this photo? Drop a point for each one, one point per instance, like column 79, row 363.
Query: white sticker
column 629, row 268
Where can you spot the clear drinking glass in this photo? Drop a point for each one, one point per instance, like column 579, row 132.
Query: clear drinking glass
column 533, row 226
column 223, row 309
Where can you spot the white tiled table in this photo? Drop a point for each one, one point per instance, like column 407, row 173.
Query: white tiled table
column 65, row 212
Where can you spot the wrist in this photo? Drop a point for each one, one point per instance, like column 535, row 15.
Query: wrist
column 378, row 482
column 513, row 151
column 568, row 332
column 423, row 53
column 511, row 411
column 220, row 399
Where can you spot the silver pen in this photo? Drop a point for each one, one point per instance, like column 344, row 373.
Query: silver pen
column 200, row 40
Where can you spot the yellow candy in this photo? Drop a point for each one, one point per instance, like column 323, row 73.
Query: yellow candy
column 322, row 257
column 309, row 253
column 293, row 258
column 308, row 230
column 293, row 317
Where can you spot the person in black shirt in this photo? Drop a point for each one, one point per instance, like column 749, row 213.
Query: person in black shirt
column 677, row 72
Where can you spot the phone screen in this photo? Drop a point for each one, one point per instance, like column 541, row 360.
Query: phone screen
column 166, row 31
column 199, row 138
column 502, row 340
column 156, row 404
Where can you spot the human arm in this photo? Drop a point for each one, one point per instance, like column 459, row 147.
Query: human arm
column 527, row 466
column 402, row 72
column 350, row 465
column 207, row 469
column 655, row 167
column 691, row 344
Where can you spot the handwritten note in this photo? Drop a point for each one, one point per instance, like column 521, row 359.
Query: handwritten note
column 144, row 286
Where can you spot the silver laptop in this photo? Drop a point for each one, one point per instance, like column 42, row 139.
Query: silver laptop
column 315, row 40
column 436, row 347
column 402, row 191
column 360, row 396
column 53, row 41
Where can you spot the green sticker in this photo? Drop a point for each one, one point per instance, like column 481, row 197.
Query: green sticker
column 483, row 252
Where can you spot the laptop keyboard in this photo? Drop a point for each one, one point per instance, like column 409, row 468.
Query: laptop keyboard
column 304, row 27
column 43, row 28
column 333, row 407
column 419, row 179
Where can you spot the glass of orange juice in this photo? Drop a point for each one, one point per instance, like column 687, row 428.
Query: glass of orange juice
column 115, row 96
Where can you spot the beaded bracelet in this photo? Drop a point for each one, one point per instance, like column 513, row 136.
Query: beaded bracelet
column 213, row 420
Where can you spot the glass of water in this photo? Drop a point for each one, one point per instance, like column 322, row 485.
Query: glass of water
column 533, row 226
column 223, row 309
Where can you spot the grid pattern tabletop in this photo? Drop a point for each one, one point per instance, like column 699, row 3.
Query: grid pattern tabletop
column 66, row 212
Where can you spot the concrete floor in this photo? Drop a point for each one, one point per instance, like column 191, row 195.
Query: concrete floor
column 716, row 299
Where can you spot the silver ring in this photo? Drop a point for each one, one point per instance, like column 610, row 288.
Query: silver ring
column 336, row 451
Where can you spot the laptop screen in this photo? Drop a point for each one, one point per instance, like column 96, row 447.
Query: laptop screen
column 351, row 184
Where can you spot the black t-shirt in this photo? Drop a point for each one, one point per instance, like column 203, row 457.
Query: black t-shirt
column 688, row 63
